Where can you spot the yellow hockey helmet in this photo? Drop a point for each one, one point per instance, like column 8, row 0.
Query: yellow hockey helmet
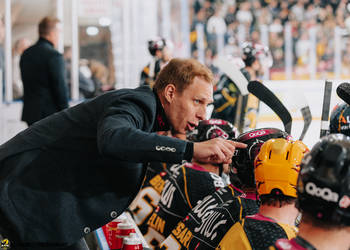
column 277, row 166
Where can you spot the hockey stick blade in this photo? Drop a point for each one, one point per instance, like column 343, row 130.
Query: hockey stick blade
column 230, row 69
column 343, row 91
column 306, row 113
column 325, row 108
column 270, row 99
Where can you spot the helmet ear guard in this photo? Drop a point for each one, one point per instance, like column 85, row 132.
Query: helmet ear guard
column 277, row 167
column 324, row 181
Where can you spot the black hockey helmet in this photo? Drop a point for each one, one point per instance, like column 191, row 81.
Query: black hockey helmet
column 242, row 170
column 324, row 180
column 212, row 128
column 155, row 44
column 248, row 54
column 340, row 119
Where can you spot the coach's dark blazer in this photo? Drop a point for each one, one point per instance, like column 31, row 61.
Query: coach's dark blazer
column 78, row 169
column 43, row 76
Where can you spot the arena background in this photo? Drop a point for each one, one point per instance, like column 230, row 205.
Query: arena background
column 309, row 44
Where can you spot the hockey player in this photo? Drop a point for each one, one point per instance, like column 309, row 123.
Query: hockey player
column 188, row 184
column 276, row 172
column 148, row 197
column 207, row 223
column 226, row 94
column 323, row 197
column 161, row 52
column 340, row 119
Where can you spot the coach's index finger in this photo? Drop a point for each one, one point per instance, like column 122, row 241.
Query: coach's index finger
column 237, row 144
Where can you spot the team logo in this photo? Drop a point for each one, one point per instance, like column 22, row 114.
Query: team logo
column 5, row 244
column 215, row 132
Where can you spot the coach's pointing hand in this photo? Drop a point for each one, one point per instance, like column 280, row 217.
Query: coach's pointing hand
column 217, row 150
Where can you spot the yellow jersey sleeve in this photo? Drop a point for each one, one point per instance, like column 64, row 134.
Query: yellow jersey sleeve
column 235, row 238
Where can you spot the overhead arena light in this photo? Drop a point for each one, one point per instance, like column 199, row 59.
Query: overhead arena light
column 92, row 31
column 104, row 21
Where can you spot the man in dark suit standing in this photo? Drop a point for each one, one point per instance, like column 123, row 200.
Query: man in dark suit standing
column 42, row 71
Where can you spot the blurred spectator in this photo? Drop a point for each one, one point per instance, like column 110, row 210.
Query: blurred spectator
column 311, row 12
column 244, row 21
column 230, row 15
column 276, row 26
column 284, row 12
column 303, row 47
column 274, row 8
column 99, row 74
column 216, row 27
column 243, row 14
column 42, row 71
column 298, row 10
column 87, row 86
column 208, row 8
column 17, row 88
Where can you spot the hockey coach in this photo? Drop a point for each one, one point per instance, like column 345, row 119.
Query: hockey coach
column 78, row 169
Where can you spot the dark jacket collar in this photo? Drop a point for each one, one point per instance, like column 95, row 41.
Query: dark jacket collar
column 43, row 40
column 161, row 123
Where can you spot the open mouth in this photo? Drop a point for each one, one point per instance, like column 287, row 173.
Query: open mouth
column 191, row 126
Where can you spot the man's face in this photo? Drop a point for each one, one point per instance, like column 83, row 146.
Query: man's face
column 186, row 109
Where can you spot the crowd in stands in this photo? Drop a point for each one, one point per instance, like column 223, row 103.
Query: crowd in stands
column 239, row 21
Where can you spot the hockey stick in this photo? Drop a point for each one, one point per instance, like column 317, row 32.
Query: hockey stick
column 270, row 99
column 301, row 102
column 307, row 116
column 343, row 91
column 325, row 108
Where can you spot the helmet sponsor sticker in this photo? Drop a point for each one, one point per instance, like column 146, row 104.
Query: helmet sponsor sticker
column 324, row 193
column 216, row 122
column 215, row 132
column 257, row 133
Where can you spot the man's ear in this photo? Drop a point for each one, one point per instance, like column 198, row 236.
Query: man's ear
column 169, row 92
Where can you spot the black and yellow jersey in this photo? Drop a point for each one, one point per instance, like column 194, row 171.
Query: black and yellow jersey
column 225, row 103
column 181, row 192
column 256, row 232
column 225, row 99
column 209, row 221
column 150, row 72
column 148, row 197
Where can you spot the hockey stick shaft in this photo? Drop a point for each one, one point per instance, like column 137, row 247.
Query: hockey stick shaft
column 325, row 108
column 306, row 113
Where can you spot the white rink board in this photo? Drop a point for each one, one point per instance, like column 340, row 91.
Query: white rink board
column 294, row 94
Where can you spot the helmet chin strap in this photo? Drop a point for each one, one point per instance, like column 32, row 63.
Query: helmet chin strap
column 221, row 168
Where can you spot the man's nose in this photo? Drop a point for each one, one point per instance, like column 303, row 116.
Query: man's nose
column 202, row 113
